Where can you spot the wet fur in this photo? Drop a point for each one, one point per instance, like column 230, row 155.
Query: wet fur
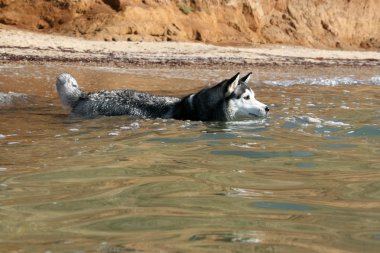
column 209, row 104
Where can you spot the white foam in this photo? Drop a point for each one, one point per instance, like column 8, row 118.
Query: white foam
column 335, row 123
column 375, row 80
column 303, row 119
column 13, row 142
column 325, row 81
column 135, row 125
column 132, row 126
column 306, row 120
column 10, row 97
column 241, row 145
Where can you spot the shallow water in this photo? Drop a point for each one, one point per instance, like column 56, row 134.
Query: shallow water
column 305, row 179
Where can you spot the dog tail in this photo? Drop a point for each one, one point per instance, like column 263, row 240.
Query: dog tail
column 68, row 89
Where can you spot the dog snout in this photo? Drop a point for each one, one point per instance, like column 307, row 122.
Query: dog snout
column 267, row 109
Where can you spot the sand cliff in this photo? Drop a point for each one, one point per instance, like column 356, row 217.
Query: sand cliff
column 346, row 24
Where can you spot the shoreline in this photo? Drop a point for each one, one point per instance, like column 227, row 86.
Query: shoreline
column 28, row 47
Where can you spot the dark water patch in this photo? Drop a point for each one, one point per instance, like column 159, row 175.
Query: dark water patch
column 306, row 165
column 337, row 145
column 290, row 125
column 322, row 130
column 283, row 206
column 241, row 237
column 210, row 135
column 261, row 138
column 253, row 154
column 367, row 131
column 334, row 138
column 166, row 223
column 217, row 136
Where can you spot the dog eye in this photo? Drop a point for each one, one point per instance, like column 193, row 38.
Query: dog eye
column 246, row 97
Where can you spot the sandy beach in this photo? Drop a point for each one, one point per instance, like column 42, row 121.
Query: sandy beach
column 23, row 46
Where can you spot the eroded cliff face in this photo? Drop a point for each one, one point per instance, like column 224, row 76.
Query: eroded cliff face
column 348, row 24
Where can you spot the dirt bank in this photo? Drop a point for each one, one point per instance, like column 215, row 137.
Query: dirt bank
column 347, row 24
column 22, row 46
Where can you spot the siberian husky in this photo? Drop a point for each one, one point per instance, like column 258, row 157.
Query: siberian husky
column 228, row 100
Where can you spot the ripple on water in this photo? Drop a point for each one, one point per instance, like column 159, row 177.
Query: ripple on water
column 306, row 165
column 338, row 145
column 283, row 206
column 253, row 154
column 7, row 98
column 306, row 120
column 369, row 131
column 167, row 222
column 278, row 184
column 325, row 81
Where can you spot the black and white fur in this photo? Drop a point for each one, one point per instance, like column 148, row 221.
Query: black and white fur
column 228, row 100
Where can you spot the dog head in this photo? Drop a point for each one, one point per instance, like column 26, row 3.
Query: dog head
column 240, row 99
column 68, row 89
column 228, row 100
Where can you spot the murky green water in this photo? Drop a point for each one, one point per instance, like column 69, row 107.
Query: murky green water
column 306, row 179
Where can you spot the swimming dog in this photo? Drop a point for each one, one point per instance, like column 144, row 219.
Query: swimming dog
column 228, row 100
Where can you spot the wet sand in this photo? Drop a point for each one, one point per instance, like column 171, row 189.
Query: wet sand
column 23, row 46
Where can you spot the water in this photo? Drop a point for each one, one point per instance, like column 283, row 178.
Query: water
column 305, row 179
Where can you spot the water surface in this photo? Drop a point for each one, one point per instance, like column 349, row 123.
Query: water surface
column 305, row 179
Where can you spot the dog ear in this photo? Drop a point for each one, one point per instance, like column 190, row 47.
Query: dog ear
column 232, row 84
column 245, row 79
